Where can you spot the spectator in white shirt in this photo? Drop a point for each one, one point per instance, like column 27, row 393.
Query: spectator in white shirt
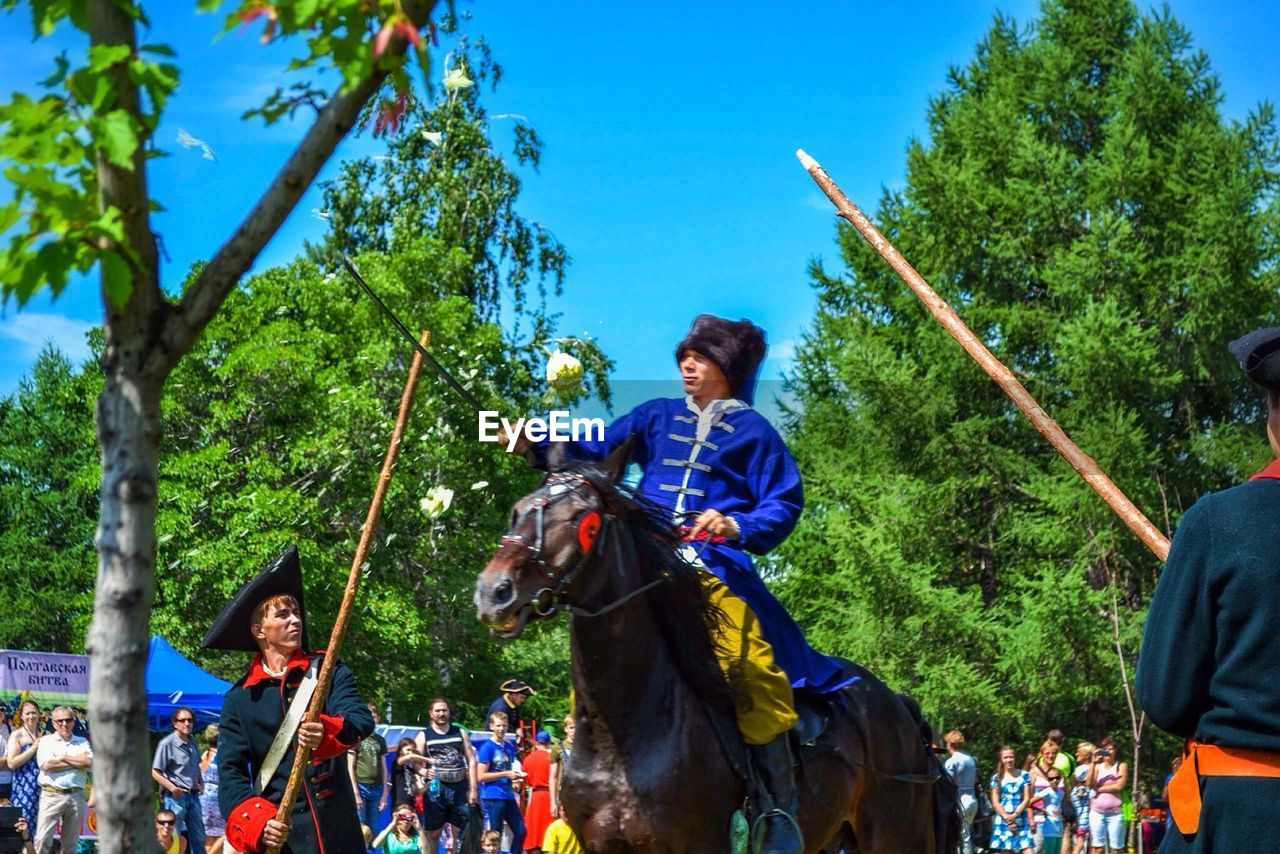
column 63, row 759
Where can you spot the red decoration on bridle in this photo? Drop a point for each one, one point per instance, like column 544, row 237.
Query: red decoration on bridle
column 588, row 527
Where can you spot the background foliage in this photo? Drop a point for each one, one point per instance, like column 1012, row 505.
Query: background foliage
column 277, row 425
column 1079, row 199
column 1083, row 205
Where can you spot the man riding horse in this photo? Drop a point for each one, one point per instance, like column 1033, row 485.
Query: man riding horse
column 732, row 487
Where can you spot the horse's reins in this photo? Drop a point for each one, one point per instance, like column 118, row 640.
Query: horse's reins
column 592, row 529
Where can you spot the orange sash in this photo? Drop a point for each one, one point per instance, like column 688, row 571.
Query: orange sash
column 1211, row 760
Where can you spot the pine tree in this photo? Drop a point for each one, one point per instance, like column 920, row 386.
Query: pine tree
column 1083, row 204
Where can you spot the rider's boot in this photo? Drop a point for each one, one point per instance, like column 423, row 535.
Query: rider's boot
column 776, row 776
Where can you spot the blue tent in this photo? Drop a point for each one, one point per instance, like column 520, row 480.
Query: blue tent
column 173, row 680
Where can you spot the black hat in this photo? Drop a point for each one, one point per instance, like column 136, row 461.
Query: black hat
column 737, row 348
column 515, row 686
column 1259, row 356
column 231, row 629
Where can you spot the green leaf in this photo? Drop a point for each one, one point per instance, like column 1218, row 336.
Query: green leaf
column 304, row 9
column 9, row 216
column 118, row 137
column 159, row 49
column 117, row 278
column 59, row 73
column 105, row 55
column 79, row 12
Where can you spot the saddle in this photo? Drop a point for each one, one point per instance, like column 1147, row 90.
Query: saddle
column 813, row 717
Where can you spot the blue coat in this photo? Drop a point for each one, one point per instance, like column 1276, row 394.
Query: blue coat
column 740, row 467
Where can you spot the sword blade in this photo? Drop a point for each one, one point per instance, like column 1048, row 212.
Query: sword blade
column 409, row 336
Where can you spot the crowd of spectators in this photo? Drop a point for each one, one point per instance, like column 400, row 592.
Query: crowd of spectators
column 44, row 772
column 440, row 785
column 1052, row 802
column 502, row 785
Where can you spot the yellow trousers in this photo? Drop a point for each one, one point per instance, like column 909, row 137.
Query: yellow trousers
column 765, row 705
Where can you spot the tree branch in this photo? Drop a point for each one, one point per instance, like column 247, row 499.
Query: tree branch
column 207, row 293
column 126, row 188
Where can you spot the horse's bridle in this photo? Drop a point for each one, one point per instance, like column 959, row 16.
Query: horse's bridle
column 592, row 526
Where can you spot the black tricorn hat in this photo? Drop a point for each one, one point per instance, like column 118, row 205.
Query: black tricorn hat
column 231, row 629
column 1259, row 356
column 515, row 686
column 737, row 348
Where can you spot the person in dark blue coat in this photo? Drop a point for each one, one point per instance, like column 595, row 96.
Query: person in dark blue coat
column 726, row 477
column 1209, row 662
column 266, row 616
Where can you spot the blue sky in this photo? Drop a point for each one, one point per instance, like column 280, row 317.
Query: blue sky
column 669, row 171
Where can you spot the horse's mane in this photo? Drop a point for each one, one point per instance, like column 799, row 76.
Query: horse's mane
column 681, row 607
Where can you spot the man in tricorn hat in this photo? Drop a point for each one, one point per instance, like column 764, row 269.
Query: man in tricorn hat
column 259, row 716
column 1208, row 665
column 729, row 481
column 512, row 695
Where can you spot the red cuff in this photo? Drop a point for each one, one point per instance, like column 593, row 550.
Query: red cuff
column 247, row 821
column 331, row 746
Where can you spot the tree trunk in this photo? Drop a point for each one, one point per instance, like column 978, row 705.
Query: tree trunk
column 128, row 419
column 145, row 338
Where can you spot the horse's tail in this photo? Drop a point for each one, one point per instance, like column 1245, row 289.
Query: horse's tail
column 946, row 797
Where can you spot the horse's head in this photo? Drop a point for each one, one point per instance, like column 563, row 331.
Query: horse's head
column 549, row 543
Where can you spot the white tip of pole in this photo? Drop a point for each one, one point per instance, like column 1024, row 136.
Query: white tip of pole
column 805, row 160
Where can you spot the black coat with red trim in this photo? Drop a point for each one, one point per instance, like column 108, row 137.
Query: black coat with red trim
column 324, row 817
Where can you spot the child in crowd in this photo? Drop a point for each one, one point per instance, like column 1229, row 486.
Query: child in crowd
column 560, row 838
column 491, row 842
column 403, row 835
column 1049, row 831
column 1081, row 795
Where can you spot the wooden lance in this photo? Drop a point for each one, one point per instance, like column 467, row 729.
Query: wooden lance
column 301, row 754
column 1152, row 536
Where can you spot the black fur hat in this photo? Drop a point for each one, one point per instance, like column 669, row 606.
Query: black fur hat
column 1259, row 356
column 737, row 348
column 231, row 629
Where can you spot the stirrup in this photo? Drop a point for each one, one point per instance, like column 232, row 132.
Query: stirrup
column 756, row 844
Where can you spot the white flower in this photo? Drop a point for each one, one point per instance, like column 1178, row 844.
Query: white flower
column 432, row 136
column 437, row 501
column 457, row 78
column 480, row 484
column 564, row 372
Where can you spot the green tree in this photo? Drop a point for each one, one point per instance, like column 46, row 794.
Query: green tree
column 48, row 505
column 276, row 426
column 1082, row 203
column 77, row 158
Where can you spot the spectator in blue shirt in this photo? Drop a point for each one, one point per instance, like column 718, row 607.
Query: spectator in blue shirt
column 964, row 773
column 495, row 760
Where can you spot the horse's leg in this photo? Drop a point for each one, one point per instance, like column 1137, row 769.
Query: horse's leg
column 896, row 818
column 843, row 842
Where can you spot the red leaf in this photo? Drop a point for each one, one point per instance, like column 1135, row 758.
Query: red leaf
column 383, row 37
column 410, row 32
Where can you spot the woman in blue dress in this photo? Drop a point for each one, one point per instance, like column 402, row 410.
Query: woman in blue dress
column 215, row 826
column 21, row 753
column 1011, row 799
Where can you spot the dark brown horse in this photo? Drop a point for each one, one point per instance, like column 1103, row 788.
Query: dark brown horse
column 657, row 761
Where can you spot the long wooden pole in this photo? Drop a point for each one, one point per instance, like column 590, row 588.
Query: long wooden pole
column 1152, row 536
column 301, row 754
